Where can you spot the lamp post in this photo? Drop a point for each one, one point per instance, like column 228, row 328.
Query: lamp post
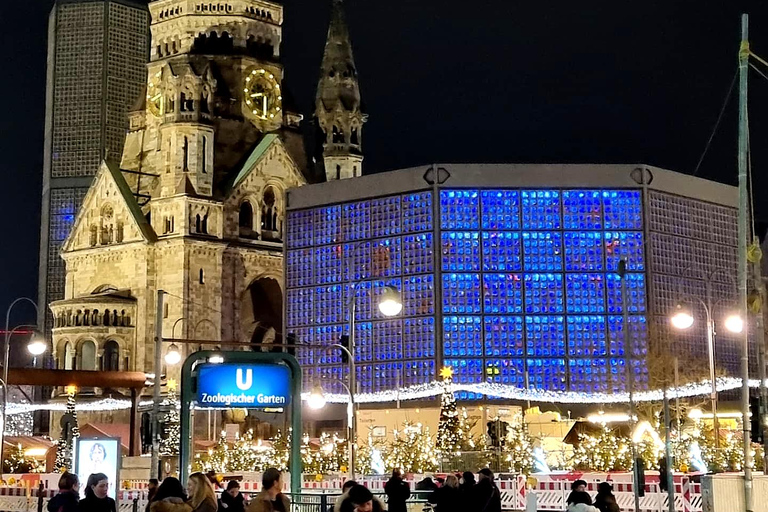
column 390, row 304
column 682, row 319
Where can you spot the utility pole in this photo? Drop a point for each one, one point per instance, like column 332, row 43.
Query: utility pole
column 154, row 468
column 743, row 216
column 629, row 364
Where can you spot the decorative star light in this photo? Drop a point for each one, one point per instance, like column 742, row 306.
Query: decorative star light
column 446, row 372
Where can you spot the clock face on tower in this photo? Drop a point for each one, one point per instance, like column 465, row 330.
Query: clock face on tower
column 262, row 96
column 155, row 95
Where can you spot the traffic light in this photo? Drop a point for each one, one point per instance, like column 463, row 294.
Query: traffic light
column 756, row 426
column 290, row 340
column 493, row 433
column 640, row 476
column 344, row 342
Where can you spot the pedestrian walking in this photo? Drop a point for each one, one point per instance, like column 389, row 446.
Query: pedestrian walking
column 201, row 495
column 397, row 492
column 271, row 498
column 68, row 497
column 232, row 499
column 578, row 486
column 348, row 484
column 605, row 501
column 96, row 495
column 448, row 497
column 360, row 499
column 487, row 495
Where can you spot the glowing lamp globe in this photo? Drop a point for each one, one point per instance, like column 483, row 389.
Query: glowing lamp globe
column 681, row 318
column 390, row 303
column 37, row 346
column 173, row 356
column 316, row 398
column 734, row 324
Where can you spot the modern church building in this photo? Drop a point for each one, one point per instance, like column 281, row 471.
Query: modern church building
column 508, row 274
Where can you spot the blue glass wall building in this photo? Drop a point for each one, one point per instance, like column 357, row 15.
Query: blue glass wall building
column 508, row 273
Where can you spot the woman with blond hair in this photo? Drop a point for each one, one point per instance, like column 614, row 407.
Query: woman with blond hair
column 448, row 497
column 201, row 495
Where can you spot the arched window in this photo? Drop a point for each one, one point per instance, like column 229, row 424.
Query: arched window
column 198, row 223
column 205, row 147
column 107, row 318
column 88, row 355
column 338, row 135
column 353, row 139
column 69, row 357
column 205, row 224
column 267, row 210
column 338, row 172
column 246, row 216
column 111, row 360
column 186, row 145
column 202, row 277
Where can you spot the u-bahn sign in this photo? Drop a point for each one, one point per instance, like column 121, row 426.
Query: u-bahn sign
column 243, row 385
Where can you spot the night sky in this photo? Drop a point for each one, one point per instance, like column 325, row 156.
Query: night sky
column 449, row 81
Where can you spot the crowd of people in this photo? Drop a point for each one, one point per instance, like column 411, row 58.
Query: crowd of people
column 454, row 493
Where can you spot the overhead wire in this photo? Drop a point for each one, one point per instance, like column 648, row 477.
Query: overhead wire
column 717, row 123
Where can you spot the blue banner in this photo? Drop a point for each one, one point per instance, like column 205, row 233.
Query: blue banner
column 246, row 385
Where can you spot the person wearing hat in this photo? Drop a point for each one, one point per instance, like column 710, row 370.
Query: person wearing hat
column 605, row 501
column 360, row 499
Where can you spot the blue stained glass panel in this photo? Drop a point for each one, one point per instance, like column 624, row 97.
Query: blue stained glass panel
column 541, row 209
column 501, row 209
column 462, row 336
column 386, row 257
column 502, row 293
column 389, row 340
column 638, row 333
column 300, row 228
column 356, row 221
column 385, row 216
column 328, row 335
column 545, row 336
column 328, row 264
column 466, row 371
column 387, row 375
column 543, row 293
column 418, row 338
column 589, row 375
column 417, row 253
column 418, row 372
column 582, row 209
column 363, row 341
column 300, row 307
column 304, row 336
column 459, row 209
column 329, row 306
column 418, row 295
column 542, row 251
column 586, row 336
column 547, row 374
column 363, row 309
column 501, row 252
column 583, row 251
column 585, row 293
column 624, row 244
column 417, row 212
column 510, row 372
column 299, row 268
column 327, row 225
column 461, row 251
column 504, row 336
column 364, row 375
column 357, row 261
column 461, row 293
column 623, row 209
column 332, row 378
column 635, row 293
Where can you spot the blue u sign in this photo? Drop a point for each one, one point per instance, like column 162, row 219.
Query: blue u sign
column 244, row 385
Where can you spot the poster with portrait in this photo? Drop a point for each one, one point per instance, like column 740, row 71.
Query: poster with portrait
column 100, row 455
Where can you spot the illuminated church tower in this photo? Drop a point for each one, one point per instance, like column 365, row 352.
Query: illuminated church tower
column 337, row 104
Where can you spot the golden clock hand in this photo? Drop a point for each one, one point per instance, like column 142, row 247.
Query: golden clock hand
column 257, row 95
column 264, row 102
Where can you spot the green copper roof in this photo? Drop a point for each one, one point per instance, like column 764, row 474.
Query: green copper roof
column 253, row 159
column 130, row 200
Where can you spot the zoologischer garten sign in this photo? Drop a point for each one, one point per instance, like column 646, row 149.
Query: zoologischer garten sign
column 247, row 385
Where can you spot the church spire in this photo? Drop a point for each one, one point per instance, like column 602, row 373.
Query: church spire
column 337, row 104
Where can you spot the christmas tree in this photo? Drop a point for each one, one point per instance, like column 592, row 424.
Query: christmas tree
column 518, row 449
column 69, row 433
column 243, row 454
column 16, row 462
column 604, row 451
column 449, row 432
column 412, row 450
column 171, row 438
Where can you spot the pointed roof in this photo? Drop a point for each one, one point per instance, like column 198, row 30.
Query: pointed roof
column 261, row 150
column 338, row 84
column 131, row 203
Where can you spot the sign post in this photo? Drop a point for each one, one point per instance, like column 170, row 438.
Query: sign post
column 249, row 380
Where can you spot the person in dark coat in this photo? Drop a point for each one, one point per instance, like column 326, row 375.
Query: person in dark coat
column 663, row 472
column 605, row 501
column 487, row 495
column 231, row 499
column 577, row 486
column 398, row 492
column 467, row 489
column 448, row 497
column 360, row 499
column 68, row 498
column 96, row 495
column 170, row 497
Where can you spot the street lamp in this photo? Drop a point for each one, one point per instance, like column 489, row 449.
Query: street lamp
column 316, row 398
column 389, row 302
column 682, row 318
column 37, row 345
column 172, row 355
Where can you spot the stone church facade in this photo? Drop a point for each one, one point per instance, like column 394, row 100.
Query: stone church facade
column 195, row 207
